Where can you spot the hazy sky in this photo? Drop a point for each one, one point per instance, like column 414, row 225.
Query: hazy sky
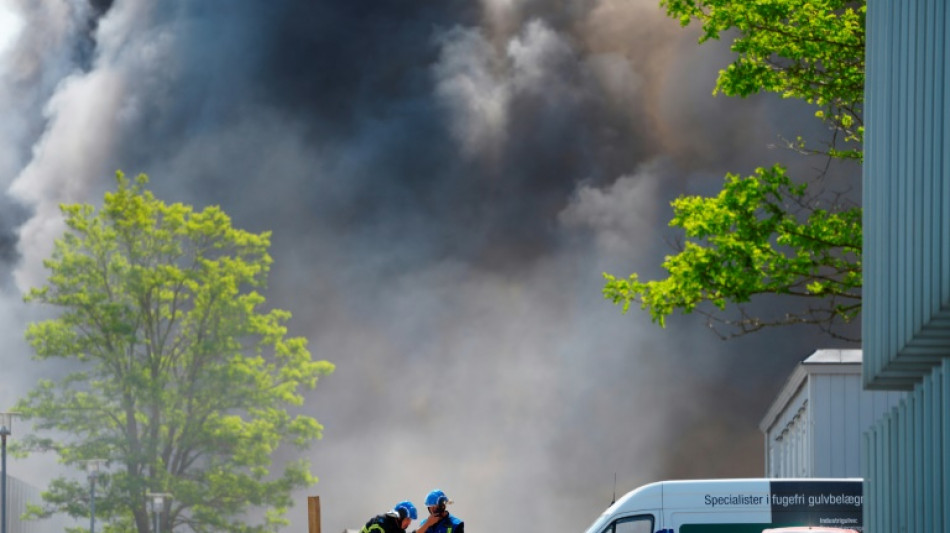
column 446, row 182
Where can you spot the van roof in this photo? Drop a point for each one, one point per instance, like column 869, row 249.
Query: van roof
column 689, row 492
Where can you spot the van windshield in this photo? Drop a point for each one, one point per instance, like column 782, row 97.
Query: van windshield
column 642, row 523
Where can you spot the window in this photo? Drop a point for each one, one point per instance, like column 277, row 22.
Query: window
column 632, row 524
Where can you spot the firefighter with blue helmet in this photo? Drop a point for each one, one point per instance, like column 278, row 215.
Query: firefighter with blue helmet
column 439, row 519
column 394, row 521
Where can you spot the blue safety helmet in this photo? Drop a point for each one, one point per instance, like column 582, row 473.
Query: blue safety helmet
column 406, row 510
column 436, row 497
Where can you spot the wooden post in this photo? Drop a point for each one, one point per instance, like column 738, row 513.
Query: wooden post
column 313, row 509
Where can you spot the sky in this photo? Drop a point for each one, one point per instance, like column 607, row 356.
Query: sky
column 446, row 183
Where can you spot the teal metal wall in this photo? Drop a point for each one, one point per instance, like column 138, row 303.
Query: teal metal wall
column 906, row 315
column 906, row 487
column 906, row 261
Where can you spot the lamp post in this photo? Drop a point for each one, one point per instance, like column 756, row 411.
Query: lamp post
column 93, row 466
column 158, row 505
column 6, row 428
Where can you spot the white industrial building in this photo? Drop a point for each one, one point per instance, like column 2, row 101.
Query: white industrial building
column 815, row 426
column 19, row 494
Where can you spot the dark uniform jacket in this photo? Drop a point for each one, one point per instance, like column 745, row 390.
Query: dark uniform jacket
column 448, row 524
column 384, row 523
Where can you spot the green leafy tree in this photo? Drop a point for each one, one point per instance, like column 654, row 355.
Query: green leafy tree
column 177, row 377
column 757, row 237
column 767, row 233
column 811, row 50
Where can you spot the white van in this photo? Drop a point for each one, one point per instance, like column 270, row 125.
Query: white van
column 735, row 506
column 809, row 529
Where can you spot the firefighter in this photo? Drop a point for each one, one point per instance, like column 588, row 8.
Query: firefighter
column 439, row 519
column 395, row 521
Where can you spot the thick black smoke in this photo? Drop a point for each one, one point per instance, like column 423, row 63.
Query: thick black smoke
column 445, row 182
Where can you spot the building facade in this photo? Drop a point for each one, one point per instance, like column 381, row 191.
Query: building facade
column 19, row 494
column 906, row 262
column 815, row 426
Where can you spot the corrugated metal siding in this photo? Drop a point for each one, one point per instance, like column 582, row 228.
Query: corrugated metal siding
column 841, row 411
column 905, row 457
column 906, row 302
column 788, row 449
column 18, row 495
column 786, row 459
column 906, row 305
column 817, row 431
column 835, row 401
column 823, row 420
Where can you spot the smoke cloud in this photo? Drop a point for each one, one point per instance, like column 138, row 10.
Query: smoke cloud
column 445, row 182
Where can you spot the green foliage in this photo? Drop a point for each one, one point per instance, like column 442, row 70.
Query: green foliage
column 176, row 376
column 764, row 234
column 811, row 50
column 747, row 241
